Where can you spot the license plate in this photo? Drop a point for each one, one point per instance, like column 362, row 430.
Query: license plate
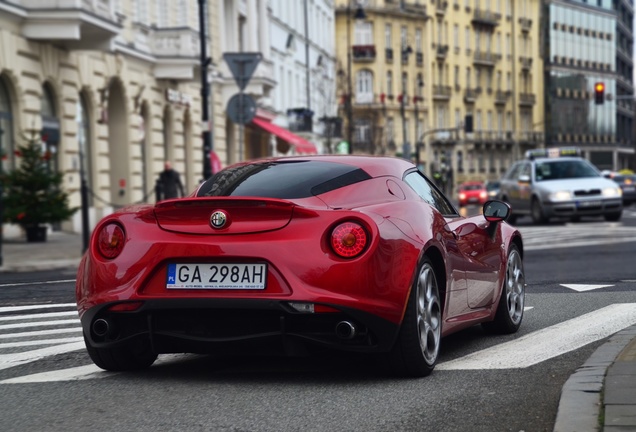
column 629, row 188
column 589, row 203
column 217, row 276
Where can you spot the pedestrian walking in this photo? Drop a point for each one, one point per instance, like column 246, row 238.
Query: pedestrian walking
column 169, row 184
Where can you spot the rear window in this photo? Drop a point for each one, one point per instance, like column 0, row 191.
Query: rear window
column 282, row 179
column 472, row 187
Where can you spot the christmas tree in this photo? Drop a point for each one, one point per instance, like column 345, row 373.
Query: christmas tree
column 33, row 194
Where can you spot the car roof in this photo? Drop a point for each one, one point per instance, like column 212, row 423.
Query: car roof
column 375, row 166
column 557, row 159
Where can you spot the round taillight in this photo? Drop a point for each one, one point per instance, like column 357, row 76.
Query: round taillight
column 348, row 239
column 111, row 240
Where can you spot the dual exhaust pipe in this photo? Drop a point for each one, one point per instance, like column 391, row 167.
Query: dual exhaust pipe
column 102, row 327
column 346, row 330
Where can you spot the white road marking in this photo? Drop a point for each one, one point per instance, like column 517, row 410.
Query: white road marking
column 17, row 359
column 77, row 329
column 39, row 324
column 16, row 284
column 36, row 306
column 550, row 342
column 86, row 372
column 583, row 287
column 40, row 342
column 41, row 315
column 71, row 374
column 576, row 235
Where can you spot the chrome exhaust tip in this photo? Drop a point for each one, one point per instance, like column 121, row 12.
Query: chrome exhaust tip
column 101, row 327
column 345, row 330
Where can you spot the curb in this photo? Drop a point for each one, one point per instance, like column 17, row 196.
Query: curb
column 580, row 404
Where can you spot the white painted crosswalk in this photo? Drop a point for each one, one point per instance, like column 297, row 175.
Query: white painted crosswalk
column 33, row 332
column 576, row 235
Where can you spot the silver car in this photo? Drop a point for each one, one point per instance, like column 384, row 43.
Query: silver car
column 564, row 187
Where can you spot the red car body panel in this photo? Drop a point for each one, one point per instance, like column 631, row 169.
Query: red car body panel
column 292, row 237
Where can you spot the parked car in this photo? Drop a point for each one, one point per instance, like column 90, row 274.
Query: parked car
column 559, row 183
column 472, row 192
column 627, row 183
column 350, row 253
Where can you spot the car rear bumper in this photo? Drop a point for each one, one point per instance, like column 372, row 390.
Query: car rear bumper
column 589, row 207
column 230, row 326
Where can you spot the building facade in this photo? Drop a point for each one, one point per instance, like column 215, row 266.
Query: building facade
column 420, row 70
column 303, row 56
column 590, row 42
column 109, row 87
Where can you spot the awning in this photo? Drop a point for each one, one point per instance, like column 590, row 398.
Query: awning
column 301, row 144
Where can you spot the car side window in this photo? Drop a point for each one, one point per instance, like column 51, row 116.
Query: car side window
column 429, row 193
column 513, row 174
column 526, row 170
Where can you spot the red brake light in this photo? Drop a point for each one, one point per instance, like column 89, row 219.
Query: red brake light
column 111, row 241
column 348, row 239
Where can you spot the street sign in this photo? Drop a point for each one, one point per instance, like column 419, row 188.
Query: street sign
column 242, row 65
column 241, row 108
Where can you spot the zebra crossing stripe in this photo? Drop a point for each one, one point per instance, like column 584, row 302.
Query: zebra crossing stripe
column 549, row 342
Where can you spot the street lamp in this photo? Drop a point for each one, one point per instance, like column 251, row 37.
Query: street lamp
column 205, row 93
column 406, row 50
column 418, row 144
column 359, row 14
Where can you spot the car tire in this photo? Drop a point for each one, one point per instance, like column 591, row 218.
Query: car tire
column 537, row 212
column 126, row 358
column 613, row 217
column 512, row 300
column 416, row 350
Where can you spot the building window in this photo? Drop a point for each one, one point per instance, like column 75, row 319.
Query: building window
column 363, row 34
column 364, row 87
column 389, row 83
column 388, row 39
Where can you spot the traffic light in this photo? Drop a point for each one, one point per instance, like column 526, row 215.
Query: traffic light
column 599, row 93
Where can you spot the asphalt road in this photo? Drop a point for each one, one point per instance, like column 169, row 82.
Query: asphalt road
column 64, row 392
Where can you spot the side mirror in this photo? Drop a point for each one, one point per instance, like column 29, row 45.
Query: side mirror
column 524, row 179
column 496, row 211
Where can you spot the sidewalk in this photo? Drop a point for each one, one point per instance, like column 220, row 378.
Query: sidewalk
column 604, row 387
column 61, row 250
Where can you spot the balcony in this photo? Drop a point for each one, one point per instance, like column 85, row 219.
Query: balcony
column 176, row 51
column 501, row 97
column 470, row 95
column 442, row 92
column 300, row 119
column 526, row 62
column 441, row 52
column 485, row 58
column 440, row 7
column 72, row 24
column 527, row 99
column 486, row 18
column 526, row 24
column 363, row 53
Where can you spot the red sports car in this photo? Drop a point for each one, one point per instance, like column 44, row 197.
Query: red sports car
column 355, row 253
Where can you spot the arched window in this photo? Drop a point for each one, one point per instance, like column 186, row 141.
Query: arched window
column 6, row 128
column 50, row 126
column 364, row 87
